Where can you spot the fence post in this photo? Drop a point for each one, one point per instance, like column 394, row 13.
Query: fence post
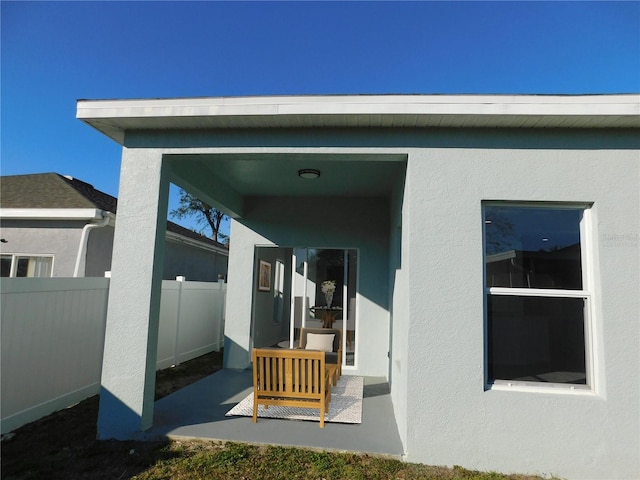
column 176, row 351
column 223, row 299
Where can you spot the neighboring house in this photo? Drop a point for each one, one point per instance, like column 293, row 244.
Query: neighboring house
column 58, row 226
column 488, row 247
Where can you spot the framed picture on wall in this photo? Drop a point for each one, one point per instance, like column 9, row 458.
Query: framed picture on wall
column 264, row 276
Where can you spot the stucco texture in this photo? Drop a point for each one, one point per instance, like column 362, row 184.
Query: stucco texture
column 454, row 419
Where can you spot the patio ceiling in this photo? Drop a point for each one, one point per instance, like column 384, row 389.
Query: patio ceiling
column 277, row 174
column 226, row 180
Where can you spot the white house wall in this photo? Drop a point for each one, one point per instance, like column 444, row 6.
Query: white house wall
column 451, row 419
column 36, row 237
column 62, row 239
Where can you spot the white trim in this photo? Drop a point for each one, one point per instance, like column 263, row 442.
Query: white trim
column 114, row 117
column 13, row 269
column 529, row 387
column 538, row 292
column 51, row 213
column 587, row 247
column 345, row 307
column 588, row 282
column 292, row 300
column 363, row 104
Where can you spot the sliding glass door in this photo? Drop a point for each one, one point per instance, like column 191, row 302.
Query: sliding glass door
column 323, row 285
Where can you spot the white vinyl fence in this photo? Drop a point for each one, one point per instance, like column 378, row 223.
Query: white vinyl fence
column 191, row 321
column 52, row 338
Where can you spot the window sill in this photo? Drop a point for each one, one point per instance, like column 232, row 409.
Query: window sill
column 553, row 388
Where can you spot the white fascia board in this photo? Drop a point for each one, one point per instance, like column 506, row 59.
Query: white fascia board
column 51, row 213
column 115, row 117
column 363, row 105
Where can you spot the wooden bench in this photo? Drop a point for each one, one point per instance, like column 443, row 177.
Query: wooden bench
column 335, row 355
column 291, row 378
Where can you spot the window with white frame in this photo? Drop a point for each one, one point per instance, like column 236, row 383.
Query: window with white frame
column 25, row 265
column 537, row 293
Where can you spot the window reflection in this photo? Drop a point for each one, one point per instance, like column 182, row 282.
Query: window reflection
column 329, row 308
column 533, row 247
column 537, row 339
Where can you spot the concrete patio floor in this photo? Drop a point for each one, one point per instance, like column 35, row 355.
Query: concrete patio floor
column 198, row 411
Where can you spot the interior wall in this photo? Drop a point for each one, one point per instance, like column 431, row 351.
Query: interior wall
column 268, row 326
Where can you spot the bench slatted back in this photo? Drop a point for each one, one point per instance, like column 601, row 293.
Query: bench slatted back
column 294, row 378
column 283, row 373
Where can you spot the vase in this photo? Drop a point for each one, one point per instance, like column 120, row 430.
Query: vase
column 328, row 297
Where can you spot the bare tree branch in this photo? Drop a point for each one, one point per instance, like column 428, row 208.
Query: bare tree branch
column 204, row 214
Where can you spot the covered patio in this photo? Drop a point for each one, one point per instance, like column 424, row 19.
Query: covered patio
column 198, row 411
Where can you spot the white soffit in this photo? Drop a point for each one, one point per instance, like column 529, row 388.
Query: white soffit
column 114, row 117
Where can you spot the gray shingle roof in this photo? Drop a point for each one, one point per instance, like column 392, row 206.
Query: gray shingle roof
column 49, row 190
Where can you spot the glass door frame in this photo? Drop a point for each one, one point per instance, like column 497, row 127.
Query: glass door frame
column 345, row 297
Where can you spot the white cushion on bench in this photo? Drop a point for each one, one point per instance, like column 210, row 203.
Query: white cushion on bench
column 320, row 341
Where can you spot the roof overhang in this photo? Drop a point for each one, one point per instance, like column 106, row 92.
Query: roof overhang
column 115, row 117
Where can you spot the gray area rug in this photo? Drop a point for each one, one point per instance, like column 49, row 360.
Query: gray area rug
column 345, row 405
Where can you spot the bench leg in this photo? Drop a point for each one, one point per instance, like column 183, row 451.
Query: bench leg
column 255, row 409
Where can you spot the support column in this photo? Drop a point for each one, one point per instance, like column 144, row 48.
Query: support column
column 237, row 333
column 131, row 337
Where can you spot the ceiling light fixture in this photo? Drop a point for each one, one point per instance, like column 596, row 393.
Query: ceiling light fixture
column 308, row 173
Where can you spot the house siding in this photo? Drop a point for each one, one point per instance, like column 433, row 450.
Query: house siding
column 454, row 420
column 433, row 247
column 62, row 239
column 58, row 238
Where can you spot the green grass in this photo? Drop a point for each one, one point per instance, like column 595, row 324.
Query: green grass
column 210, row 460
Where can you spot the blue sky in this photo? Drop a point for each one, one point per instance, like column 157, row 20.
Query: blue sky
column 53, row 53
